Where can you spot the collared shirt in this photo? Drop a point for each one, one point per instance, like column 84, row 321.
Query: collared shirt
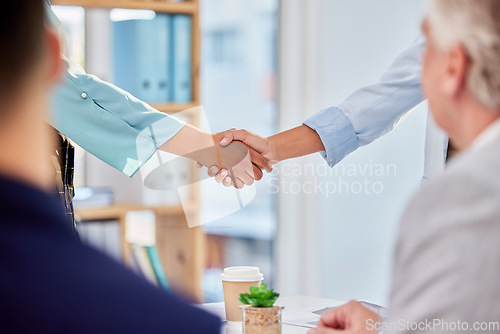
column 374, row 110
column 52, row 283
column 106, row 121
column 487, row 136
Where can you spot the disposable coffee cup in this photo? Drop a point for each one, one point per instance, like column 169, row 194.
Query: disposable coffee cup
column 235, row 281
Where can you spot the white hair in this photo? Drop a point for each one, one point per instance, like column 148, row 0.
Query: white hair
column 475, row 25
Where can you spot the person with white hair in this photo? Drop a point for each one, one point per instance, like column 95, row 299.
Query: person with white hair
column 447, row 260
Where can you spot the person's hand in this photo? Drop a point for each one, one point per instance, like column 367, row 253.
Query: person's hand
column 260, row 149
column 351, row 318
column 224, row 140
column 204, row 148
column 238, row 169
column 261, row 145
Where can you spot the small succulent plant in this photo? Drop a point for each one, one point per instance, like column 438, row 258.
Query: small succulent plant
column 259, row 296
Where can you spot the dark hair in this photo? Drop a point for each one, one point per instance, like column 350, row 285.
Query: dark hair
column 22, row 26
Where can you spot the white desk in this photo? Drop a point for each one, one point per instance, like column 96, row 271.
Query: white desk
column 295, row 307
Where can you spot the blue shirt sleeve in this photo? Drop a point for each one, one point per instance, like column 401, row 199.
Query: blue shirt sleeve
column 371, row 111
column 108, row 122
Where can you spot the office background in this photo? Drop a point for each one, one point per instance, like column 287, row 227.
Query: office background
column 266, row 66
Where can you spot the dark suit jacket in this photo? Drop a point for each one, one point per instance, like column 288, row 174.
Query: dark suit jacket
column 51, row 283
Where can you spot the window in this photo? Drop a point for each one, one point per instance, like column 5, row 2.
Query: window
column 239, row 91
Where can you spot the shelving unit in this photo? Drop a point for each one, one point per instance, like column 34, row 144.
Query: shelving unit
column 186, row 7
column 191, row 7
column 172, row 108
column 181, row 249
column 118, row 212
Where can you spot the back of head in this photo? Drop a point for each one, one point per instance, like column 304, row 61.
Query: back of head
column 30, row 65
column 475, row 24
column 22, row 31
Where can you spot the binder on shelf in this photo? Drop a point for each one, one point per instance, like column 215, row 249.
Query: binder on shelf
column 102, row 235
column 141, row 257
column 145, row 42
column 181, row 49
column 130, row 39
column 162, row 89
column 141, row 58
column 154, row 258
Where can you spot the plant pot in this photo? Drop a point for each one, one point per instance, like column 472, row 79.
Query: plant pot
column 261, row 320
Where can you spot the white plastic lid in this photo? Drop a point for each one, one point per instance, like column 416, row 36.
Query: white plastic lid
column 242, row 274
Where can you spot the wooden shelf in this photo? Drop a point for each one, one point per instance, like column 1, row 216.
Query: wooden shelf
column 186, row 7
column 118, row 212
column 171, row 108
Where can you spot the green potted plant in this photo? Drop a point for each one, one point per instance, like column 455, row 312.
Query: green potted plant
column 260, row 315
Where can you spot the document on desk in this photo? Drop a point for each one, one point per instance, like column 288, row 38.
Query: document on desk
column 301, row 318
column 310, row 317
column 380, row 310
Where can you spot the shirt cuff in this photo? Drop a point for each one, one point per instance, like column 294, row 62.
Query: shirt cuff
column 149, row 140
column 336, row 133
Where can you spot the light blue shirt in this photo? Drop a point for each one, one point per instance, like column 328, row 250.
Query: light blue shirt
column 372, row 111
column 106, row 121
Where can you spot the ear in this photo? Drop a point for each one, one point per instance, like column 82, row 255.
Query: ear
column 456, row 70
column 53, row 54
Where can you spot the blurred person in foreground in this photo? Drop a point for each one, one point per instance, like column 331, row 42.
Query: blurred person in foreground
column 447, row 260
column 49, row 281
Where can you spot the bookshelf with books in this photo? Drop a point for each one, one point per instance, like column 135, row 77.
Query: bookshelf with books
column 181, row 249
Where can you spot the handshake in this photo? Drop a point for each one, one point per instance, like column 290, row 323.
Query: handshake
column 238, row 158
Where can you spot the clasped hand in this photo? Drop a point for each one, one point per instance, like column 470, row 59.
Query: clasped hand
column 243, row 157
column 350, row 318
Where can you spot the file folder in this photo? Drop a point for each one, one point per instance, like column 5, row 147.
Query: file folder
column 142, row 58
column 181, row 49
column 161, row 66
